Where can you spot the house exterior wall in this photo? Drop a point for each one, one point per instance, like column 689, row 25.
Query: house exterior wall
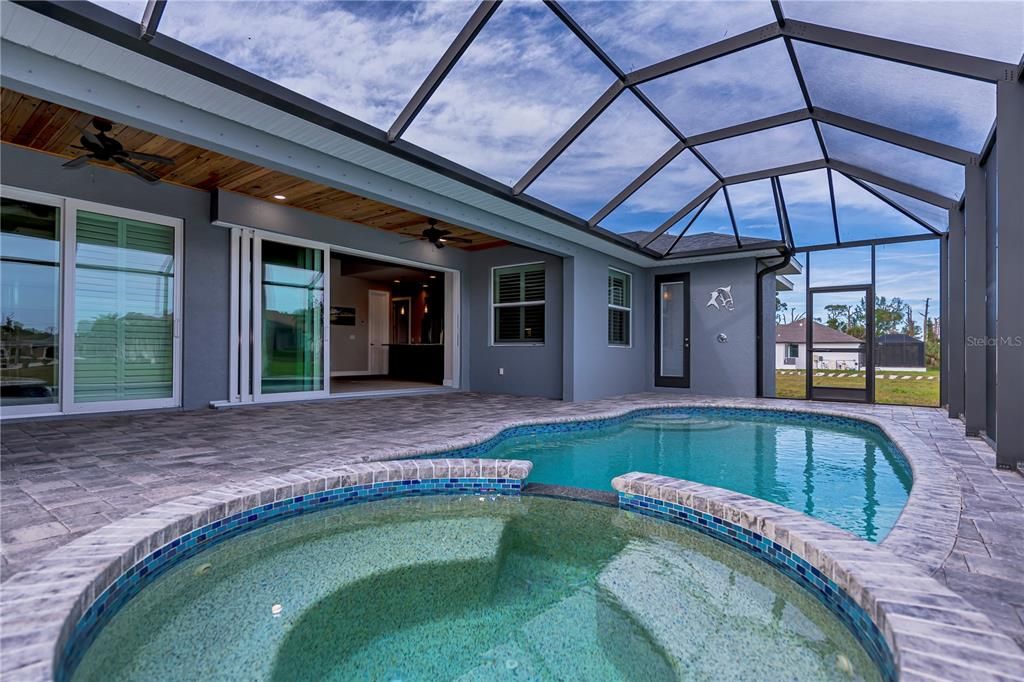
column 575, row 362
column 206, row 252
column 716, row 368
column 526, row 369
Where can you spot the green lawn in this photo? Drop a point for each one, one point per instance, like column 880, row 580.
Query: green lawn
column 890, row 391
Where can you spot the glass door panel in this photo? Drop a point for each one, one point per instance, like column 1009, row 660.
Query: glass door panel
column 840, row 356
column 29, row 305
column 672, row 331
column 124, row 298
column 292, row 321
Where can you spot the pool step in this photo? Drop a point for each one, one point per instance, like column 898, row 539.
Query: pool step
column 702, row 612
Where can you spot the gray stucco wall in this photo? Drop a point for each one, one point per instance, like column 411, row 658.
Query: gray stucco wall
column 592, row 368
column 728, row 368
column 575, row 362
column 206, row 255
column 534, row 370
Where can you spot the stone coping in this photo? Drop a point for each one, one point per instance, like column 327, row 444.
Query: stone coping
column 924, row 533
column 931, row 632
column 42, row 607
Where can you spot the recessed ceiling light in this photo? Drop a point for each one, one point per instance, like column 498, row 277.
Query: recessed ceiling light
column 424, row 286
column 398, row 281
column 433, row 277
column 280, row 197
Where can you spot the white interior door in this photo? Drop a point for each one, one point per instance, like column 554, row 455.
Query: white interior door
column 380, row 310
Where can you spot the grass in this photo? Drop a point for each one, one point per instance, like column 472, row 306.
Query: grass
column 888, row 391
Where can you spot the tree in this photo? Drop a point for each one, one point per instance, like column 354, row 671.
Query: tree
column 888, row 315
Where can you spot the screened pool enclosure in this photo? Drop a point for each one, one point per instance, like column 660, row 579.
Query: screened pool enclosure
column 678, row 128
column 664, row 134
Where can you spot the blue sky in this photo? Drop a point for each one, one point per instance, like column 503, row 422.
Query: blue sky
column 526, row 79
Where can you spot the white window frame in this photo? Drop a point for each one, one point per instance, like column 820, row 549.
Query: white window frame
column 628, row 309
column 69, row 209
column 492, row 306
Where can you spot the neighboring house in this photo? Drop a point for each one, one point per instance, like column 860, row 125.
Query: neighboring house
column 791, row 347
column 899, row 351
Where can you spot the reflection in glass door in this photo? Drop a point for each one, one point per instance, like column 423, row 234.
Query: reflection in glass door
column 672, row 331
column 292, row 329
column 29, row 306
column 840, row 357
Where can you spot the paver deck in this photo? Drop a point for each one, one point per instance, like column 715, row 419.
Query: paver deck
column 61, row 478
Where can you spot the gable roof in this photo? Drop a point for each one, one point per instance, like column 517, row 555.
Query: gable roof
column 795, row 332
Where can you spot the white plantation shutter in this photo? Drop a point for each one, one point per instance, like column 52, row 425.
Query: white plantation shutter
column 518, row 304
column 124, row 317
column 620, row 303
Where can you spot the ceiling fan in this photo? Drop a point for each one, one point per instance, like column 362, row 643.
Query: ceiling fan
column 103, row 148
column 439, row 237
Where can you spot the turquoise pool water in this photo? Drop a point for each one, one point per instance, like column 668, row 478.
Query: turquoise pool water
column 843, row 472
column 474, row 588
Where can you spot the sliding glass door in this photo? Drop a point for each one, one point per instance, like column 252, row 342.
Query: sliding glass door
column 124, row 284
column 89, row 306
column 291, row 331
column 30, row 303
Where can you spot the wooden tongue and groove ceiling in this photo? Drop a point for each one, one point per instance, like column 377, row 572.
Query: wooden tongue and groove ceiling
column 43, row 126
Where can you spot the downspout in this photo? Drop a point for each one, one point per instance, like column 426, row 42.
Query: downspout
column 787, row 256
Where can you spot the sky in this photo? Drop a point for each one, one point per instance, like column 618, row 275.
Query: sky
column 526, row 78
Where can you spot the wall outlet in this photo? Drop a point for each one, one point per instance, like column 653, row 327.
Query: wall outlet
column 501, row 371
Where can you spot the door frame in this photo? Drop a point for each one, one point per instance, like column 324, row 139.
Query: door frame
column 659, row 380
column 369, row 324
column 259, row 236
column 869, row 340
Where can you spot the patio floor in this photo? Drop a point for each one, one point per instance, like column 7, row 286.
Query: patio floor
column 63, row 478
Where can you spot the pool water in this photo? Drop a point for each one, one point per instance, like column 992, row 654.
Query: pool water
column 470, row 588
column 847, row 474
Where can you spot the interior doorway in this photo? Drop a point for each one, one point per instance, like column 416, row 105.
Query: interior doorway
column 388, row 325
column 309, row 321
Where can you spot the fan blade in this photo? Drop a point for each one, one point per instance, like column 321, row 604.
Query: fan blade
column 152, row 158
column 458, row 239
column 135, row 168
column 91, row 139
column 78, row 161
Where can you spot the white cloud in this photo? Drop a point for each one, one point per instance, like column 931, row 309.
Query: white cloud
column 986, row 29
column 364, row 59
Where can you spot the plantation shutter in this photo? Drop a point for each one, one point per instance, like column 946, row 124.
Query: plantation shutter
column 519, row 304
column 124, row 317
column 619, row 307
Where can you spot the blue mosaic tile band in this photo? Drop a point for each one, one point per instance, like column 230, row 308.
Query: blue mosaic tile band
column 747, row 414
column 132, row 581
column 795, row 567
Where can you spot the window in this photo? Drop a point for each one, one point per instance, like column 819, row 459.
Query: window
column 620, row 307
column 517, row 303
column 792, row 350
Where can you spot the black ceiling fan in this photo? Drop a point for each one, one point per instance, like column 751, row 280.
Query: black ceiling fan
column 439, row 237
column 103, row 148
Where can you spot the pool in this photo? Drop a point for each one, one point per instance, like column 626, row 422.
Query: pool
column 842, row 471
column 473, row 588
